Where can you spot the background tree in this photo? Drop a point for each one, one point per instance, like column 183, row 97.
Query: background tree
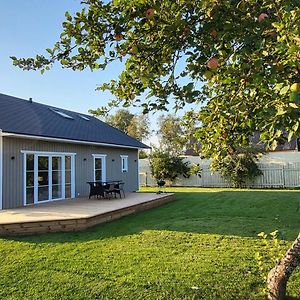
column 170, row 134
column 246, row 53
column 137, row 126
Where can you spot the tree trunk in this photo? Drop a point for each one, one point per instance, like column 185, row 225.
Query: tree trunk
column 278, row 276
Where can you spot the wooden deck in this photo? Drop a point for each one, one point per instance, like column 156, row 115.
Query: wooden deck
column 75, row 214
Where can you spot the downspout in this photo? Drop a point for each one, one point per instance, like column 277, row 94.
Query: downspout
column 1, row 170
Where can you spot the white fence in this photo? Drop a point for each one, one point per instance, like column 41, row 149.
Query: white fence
column 274, row 175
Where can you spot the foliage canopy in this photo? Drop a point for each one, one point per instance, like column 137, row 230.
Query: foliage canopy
column 171, row 134
column 246, row 54
column 137, row 126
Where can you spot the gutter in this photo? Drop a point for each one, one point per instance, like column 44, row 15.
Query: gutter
column 62, row 140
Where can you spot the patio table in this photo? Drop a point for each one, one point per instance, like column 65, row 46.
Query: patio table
column 106, row 189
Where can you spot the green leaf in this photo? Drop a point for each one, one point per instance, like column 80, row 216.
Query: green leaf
column 280, row 111
column 293, row 105
column 284, row 90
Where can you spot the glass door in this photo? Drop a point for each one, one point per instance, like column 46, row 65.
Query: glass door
column 48, row 177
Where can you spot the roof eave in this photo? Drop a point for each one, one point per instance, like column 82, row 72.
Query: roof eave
column 62, row 140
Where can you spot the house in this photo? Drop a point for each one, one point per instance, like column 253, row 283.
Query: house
column 194, row 147
column 48, row 153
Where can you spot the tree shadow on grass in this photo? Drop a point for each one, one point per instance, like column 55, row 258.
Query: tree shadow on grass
column 242, row 213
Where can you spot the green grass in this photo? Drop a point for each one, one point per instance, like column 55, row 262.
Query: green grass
column 201, row 246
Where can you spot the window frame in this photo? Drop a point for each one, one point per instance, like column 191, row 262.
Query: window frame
column 124, row 163
column 103, row 170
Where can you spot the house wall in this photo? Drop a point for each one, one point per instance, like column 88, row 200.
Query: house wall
column 13, row 168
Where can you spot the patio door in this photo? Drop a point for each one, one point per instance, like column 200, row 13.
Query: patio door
column 48, row 177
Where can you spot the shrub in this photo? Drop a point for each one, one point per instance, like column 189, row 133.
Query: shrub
column 167, row 167
column 238, row 167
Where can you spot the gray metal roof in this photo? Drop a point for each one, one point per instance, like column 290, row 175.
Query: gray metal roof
column 21, row 116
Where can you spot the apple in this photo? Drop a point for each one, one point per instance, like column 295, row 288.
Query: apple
column 186, row 31
column 262, row 17
column 214, row 33
column 150, row 13
column 295, row 87
column 213, row 63
column 118, row 37
column 134, row 50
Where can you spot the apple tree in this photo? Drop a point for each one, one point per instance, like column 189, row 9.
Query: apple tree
column 237, row 60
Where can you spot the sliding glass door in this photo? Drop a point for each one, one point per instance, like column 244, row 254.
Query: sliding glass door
column 48, row 177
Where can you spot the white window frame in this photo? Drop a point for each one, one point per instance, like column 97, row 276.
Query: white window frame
column 103, row 171
column 36, row 154
column 124, row 163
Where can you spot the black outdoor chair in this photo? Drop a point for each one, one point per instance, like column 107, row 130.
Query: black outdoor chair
column 119, row 189
column 96, row 189
column 109, row 190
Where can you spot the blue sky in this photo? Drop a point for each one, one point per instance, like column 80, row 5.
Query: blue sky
column 27, row 28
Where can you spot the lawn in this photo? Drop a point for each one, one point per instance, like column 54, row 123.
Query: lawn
column 201, row 246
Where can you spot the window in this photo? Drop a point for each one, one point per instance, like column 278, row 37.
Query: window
column 84, row 117
column 124, row 163
column 62, row 113
column 99, row 167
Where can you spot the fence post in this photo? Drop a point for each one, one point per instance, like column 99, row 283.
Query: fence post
column 283, row 176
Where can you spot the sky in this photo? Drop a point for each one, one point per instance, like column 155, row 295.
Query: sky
column 27, row 28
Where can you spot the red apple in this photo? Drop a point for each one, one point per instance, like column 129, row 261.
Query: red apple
column 150, row 13
column 214, row 33
column 213, row 63
column 262, row 17
column 118, row 37
column 186, row 31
